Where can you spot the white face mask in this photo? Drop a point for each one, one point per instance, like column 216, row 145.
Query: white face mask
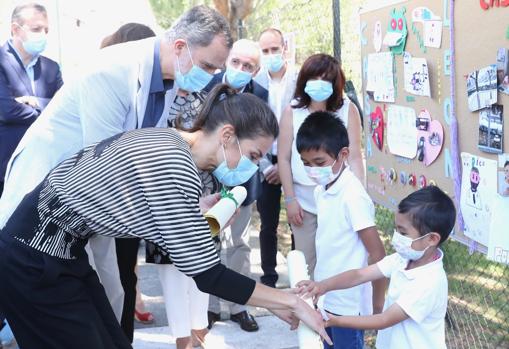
column 323, row 175
column 403, row 245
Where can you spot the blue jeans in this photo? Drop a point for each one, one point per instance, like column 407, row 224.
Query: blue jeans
column 345, row 338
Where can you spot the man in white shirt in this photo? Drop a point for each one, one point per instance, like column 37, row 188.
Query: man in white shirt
column 279, row 78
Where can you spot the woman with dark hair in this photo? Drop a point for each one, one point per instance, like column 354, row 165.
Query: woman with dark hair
column 127, row 249
column 319, row 88
column 128, row 32
column 143, row 183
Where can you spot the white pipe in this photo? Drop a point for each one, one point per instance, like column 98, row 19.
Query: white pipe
column 298, row 271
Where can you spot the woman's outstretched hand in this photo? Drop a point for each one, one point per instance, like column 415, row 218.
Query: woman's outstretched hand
column 312, row 318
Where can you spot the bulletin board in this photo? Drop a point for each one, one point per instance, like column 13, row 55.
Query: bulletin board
column 429, row 136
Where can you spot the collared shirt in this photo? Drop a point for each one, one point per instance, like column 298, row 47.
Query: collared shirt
column 158, row 88
column 422, row 294
column 276, row 94
column 343, row 210
column 29, row 68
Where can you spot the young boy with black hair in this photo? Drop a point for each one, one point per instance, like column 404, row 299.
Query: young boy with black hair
column 346, row 235
column 414, row 311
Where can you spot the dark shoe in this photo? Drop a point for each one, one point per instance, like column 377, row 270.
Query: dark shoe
column 246, row 321
column 212, row 317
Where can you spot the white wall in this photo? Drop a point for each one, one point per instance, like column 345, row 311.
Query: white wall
column 78, row 26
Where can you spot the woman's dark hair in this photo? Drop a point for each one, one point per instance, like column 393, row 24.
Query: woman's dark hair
column 322, row 130
column 249, row 115
column 431, row 210
column 128, row 32
column 506, row 163
column 321, row 66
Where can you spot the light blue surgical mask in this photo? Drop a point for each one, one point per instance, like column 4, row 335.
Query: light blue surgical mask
column 318, row 90
column 237, row 78
column 273, row 62
column 35, row 42
column 194, row 80
column 232, row 177
column 323, row 175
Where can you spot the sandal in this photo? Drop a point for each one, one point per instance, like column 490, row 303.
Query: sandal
column 144, row 318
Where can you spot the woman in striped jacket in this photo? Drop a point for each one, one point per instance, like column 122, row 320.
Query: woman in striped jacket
column 145, row 184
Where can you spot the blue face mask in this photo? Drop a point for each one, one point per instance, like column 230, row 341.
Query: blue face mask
column 232, row 177
column 318, row 90
column 35, row 42
column 237, row 78
column 194, row 80
column 273, row 62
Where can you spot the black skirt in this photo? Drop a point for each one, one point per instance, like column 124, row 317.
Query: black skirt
column 55, row 303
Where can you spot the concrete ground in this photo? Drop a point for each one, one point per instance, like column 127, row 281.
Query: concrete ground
column 273, row 333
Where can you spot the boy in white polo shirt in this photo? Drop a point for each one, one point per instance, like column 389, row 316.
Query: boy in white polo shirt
column 414, row 311
column 346, row 236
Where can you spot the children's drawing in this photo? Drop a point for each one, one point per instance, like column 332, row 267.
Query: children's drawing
column 381, row 76
column 401, row 131
column 498, row 244
column 377, row 36
column 503, row 70
column 478, row 190
column 397, row 32
column 432, row 26
column 482, row 88
column 430, row 138
column 377, row 127
column 491, row 132
column 416, row 75
column 503, row 175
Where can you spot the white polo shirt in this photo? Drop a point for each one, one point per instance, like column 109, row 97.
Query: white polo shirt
column 422, row 294
column 343, row 210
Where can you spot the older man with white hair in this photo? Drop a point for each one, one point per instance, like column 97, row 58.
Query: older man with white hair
column 242, row 65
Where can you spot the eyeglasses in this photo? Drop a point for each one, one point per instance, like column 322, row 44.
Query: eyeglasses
column 247, row 67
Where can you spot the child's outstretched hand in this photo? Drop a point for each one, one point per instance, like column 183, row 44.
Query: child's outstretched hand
column 308, row 288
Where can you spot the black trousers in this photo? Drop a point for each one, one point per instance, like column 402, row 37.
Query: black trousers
column 127, row 255
column 269, row 205
column 53, row 303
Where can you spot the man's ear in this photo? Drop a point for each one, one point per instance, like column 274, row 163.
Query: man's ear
column 178, row 46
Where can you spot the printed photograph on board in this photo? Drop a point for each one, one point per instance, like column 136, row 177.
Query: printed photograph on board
column 491, row 129
column 482, row 88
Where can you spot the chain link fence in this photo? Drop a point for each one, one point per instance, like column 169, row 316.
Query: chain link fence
column 478, row 309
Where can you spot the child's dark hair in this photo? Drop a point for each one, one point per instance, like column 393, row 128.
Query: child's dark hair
column 506, row 163
column 431, row 210
column 322, row 130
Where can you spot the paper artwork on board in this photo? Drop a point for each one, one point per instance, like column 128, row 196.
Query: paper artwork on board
column 432, row 26
column 498, row 242
column 491, row 129
column 401, row 131
column 478, row 190
column 380, row 77
column 503, row 175
column 482, row 88
column 416, row 75
column 503, row 70
column 377, row 36
column 397, row 32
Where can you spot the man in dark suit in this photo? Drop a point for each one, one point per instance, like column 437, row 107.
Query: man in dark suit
column 28, row 80
column 242, row 64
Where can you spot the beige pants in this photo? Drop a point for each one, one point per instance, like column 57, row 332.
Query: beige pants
column 304, row 237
